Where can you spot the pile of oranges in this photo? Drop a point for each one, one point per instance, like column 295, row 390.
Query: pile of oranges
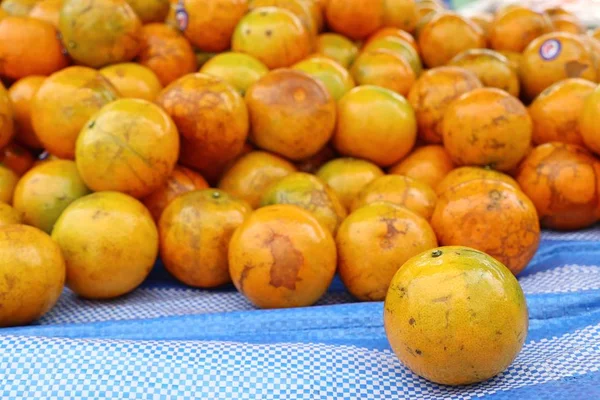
column 273, row 143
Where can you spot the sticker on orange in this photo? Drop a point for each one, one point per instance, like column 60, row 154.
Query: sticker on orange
column 550, row 49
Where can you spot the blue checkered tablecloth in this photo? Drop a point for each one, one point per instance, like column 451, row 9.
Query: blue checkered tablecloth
column 167, row 341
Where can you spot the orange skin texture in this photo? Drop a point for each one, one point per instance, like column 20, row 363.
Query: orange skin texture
column 313, row 163
column 514, row 59
column 310, row 193
column 291, row 114
column 433, row 92
column 9, row 216
column 238, row 69
column 150, row 11
column 48, row 11
column 375, row 124
column 282, row 257
column 253, row 173
column 393, row 32
column 595, row 33
column 384, row 68
column 594, row 47
column 556, row 111
column 100, row 32
column 7, row 125
column 336, row 78
column 575, row 60
column 19, row 8
column 301, row 8
column 188, row 157
column 348, row 176
column 166, row 52
column 492, row 217
column 400, row 190
column 210, row 115
column 514, row 29
column 492, row 69
column 355, row 19
column 399, row 47
column 337, row 47
column 195, row 231
column 33, row 274
column 484, row 20
column 17, row 158
column 21, row 95
column 400, row 14
column 466, row 174
column 18, row 36
column 133, row 81
column 428, row 164
column 130, row 146
column 562, row 180
column 181, row 181
column 588, row 122
column 437, row 50
column 455, row 316
column 567, row 23
column 8, row 181
column 64, row 103
column 487, row 127
column 374, row 242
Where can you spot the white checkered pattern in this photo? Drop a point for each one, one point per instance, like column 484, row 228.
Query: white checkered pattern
column 61, row 369
column 590, row 234
column 567, row 279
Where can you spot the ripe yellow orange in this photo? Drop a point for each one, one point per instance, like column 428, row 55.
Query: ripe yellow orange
column 8, row 181
column 384, row 68
column 467, row 174
column 238, row 69
column 428, row 164
column 355, row 19
column 133, row 80
column 513, row 29
column 399, row 46
column 338, row 48
column 303, row 9
column 21, row 95
column 400, row 14
column 336, row 78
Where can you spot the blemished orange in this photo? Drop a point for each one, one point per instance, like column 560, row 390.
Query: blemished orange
column 437, row 50
column 348, row 176
column 400, row 14
column 428, row 164
column 374, row 242
column 398, row 46
column 238, row 69
column 150, row 11
column 273, row 35
column 375, row 124
column 252, row 174
column 384, row 68
column 17, row 158
column 64, row 103
column 303, row 9
column 588, row 122
column 8, row 215
column 21, row 95
column 195, row 230
column 101, row 32
column 355, row 19
column 166, row 52
column 433, row 92
column 34, row 274
column 7, row 113
column 563, row 181
column 282, row 257
column 466, row 174
column 554, row 57
column 448, row 324
column 514, row 29
column 47, row 10
column 130, row 146
column 181, row 181
column 18, row 36
column 337, row 47
column 336, row 78
column 19, row 8
column 490, row 216
column 133, row 80
column 487, row 127
column 556, row 111
column 291, row 114
column 8, row 181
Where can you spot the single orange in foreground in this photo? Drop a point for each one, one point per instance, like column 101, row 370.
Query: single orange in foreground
column 281, row 257
column 428, row 164
column 21, row 95
column 467, row 174
column 355, row 19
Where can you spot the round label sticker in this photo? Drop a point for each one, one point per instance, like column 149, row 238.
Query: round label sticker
column 181, row 16
column 550, row 49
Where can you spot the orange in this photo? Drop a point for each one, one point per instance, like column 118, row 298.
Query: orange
column 96, row 234
column 133, row 80
column 211, row 116
column 47, row 10
column 433, row 92
column 7, row 113
column 303, row 9
column 310, row 193
column 436, row 49
column 490, row 216
column 239, row 70
column 400, row 47
column 273, row 35
column 375, row 124
column 395, row 33
column 291, row 114
column 130, row 146
column 374, row 242
column 9, row 216
column 555, row 112
column 487, row 127
column 18, row 35
column 514, row 59
column 16, row 158
column 8, row 181
column 45, row 191
column 313, row 163
column 384, row 68
column 251, row 175
column 21, row 95
column 281, row 257
column 514, row 29
column 19, row 8
column 567, row 23
column 484, row 20
column 33, row 274
column 101, row 32
column 467, row 174
column 64, row 103
column 563, row 181
column 428, row 164
column 400, row 14
column 150, row 10
column 492, row 68
column 355, row 19
column 337, row 47
column 552, row 58
column 195, row 230
column 455, row 316
column 166, row 52
column 336, row 78
column 588, row 121
column 348, row 176
column 181, row 181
